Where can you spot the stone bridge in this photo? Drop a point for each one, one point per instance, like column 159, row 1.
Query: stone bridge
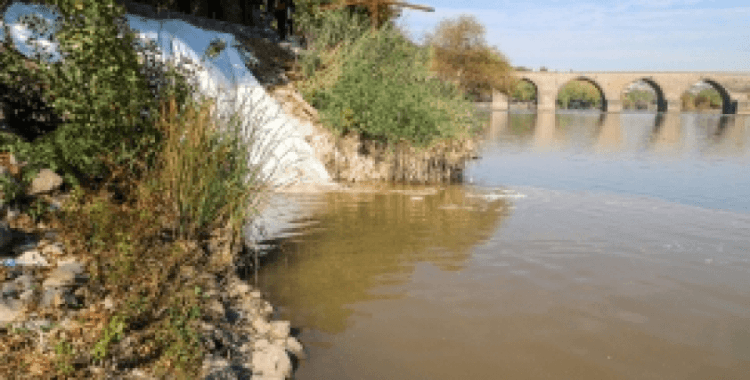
column 734, row 88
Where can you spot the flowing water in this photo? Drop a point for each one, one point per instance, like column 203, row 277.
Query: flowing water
column 586, row 246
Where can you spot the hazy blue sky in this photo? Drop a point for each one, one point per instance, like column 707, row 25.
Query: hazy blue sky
column 639, row 35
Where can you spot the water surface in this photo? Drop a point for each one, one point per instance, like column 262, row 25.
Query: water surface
column 588, row 246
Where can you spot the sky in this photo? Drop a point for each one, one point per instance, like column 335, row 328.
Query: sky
column 628, row 35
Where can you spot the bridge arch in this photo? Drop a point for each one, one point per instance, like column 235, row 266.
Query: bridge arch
column 728, row 106
column 661, row 99
column 520, row 93
column 600, row 89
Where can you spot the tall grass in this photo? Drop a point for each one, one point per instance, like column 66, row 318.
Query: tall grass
column 204, row 170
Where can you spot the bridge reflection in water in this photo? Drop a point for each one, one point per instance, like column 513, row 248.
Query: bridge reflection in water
column 663, row 134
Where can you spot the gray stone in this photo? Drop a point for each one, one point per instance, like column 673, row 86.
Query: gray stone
column 32, row 258
column 52, row 250
column 295, row 347
column 216, row 307
column 273, row 361
column 52, row 297
column 26, row 296
column 261, row 344
column 44, row 182
column 218, row 369
column 25, row 282
column 108, row 303
column 10, row 310
column 261, row 326
column 39, row 324
column 10, row 289
column 241, row 289
column 279, row 329
column 66, row 274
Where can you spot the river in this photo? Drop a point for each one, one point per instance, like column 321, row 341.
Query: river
column 582, row 246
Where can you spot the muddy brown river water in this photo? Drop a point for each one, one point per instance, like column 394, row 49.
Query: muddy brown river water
column 586, row 246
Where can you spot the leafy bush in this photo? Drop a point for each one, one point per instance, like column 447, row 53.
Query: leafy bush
column 98, row 88
column 385, row 92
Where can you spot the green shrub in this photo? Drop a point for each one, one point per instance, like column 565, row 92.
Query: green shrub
column 326, row 30
column 385, row 92
column 99, row 87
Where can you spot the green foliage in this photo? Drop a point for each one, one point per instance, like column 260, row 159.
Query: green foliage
column 524, row 91
column 706, row 99
column 638, row 98
column 462, row 56
column 384, row 92
column 64, row 353
column 324, row 29
column 97, row 89
column 204, row 171
column 113, row 332
column 579, row 90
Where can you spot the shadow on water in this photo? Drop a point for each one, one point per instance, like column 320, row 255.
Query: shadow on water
column 373, row 236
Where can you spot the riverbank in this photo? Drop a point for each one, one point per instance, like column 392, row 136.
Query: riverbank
column 99, row 284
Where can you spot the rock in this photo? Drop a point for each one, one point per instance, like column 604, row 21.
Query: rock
column 52, row 297
column 279, row 329
column 66, row 274
column 25, row 282
column 10, row 310
column 242, row 289
column 217, row 369
column 10, row 289
column 273, row 361
column 53, row 249
column 32, row 258
column 267, row 309
column 261, row 326
column 261, row 344
column 44, row 182
column 108, row 303
column 39, row 324
column 295, row 347
column 216, row 307
column 26, row 296
column 255, row 294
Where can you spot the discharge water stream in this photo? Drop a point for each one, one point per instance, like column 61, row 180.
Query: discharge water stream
column 585, row 246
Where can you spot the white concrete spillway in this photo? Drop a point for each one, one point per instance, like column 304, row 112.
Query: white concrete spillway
column 287, row 157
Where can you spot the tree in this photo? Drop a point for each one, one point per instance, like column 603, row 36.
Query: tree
column 523, row 91
column 579, row 91
column 461, row 55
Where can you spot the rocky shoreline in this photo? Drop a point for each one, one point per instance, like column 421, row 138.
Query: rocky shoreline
column 45, row 289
